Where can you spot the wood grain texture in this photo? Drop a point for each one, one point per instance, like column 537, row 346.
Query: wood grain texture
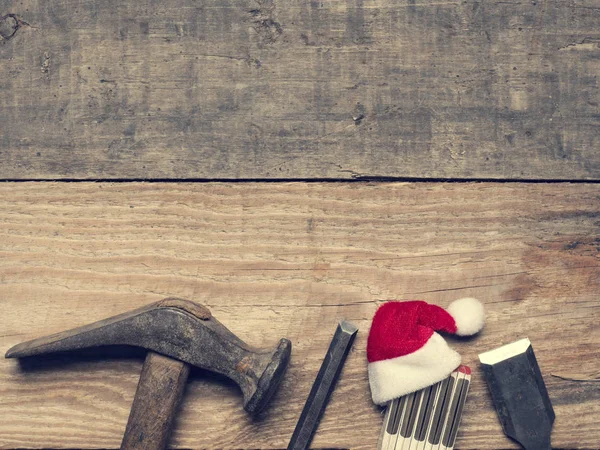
column 290, row 260
column 299, row 89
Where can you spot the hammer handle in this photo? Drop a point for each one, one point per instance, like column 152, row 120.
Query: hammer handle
column 157, row 397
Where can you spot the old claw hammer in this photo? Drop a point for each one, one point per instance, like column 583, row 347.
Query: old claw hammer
column 177, row 334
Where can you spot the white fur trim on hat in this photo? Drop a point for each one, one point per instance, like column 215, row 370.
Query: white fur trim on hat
column 468, row 314
column 395, row 377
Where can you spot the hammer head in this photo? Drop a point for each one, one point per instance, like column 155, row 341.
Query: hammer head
column 182, row 330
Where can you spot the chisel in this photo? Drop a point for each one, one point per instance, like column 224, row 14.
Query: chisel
column 519, row 394
column 323, row 386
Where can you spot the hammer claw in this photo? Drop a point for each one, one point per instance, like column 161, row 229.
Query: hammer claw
column 91, row 335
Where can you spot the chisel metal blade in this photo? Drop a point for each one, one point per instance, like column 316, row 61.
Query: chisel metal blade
column 323, row 386
column 519, row 394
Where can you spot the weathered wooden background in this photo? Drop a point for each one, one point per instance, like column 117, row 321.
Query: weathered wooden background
column 275, row 260
column 300, row 89
column 243, row 91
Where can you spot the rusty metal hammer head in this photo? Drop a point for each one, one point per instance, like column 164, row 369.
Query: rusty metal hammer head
column 185, row 331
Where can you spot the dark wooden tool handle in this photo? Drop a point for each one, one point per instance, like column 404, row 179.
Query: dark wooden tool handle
column 156, row 400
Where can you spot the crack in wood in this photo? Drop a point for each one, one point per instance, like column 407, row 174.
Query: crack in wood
column 581, row 377
column 585, row 43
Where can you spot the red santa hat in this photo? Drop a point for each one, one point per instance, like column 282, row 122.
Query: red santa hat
column 404, row 351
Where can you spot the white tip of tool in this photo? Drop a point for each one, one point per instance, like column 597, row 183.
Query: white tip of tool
column 505, row 352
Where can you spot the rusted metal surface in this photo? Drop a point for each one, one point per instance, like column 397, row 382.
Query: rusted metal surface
column 185, row 331
column 178, row 333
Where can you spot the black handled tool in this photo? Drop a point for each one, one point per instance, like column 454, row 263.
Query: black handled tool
column 323, row 386
column 519, row 394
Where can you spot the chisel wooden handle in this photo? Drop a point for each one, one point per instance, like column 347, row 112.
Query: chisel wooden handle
column 157, row 397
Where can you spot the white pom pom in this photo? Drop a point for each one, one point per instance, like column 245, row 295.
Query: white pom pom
column 468, row 314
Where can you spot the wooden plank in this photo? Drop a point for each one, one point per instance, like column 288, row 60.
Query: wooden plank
column 296, row 89
column 290, row 260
